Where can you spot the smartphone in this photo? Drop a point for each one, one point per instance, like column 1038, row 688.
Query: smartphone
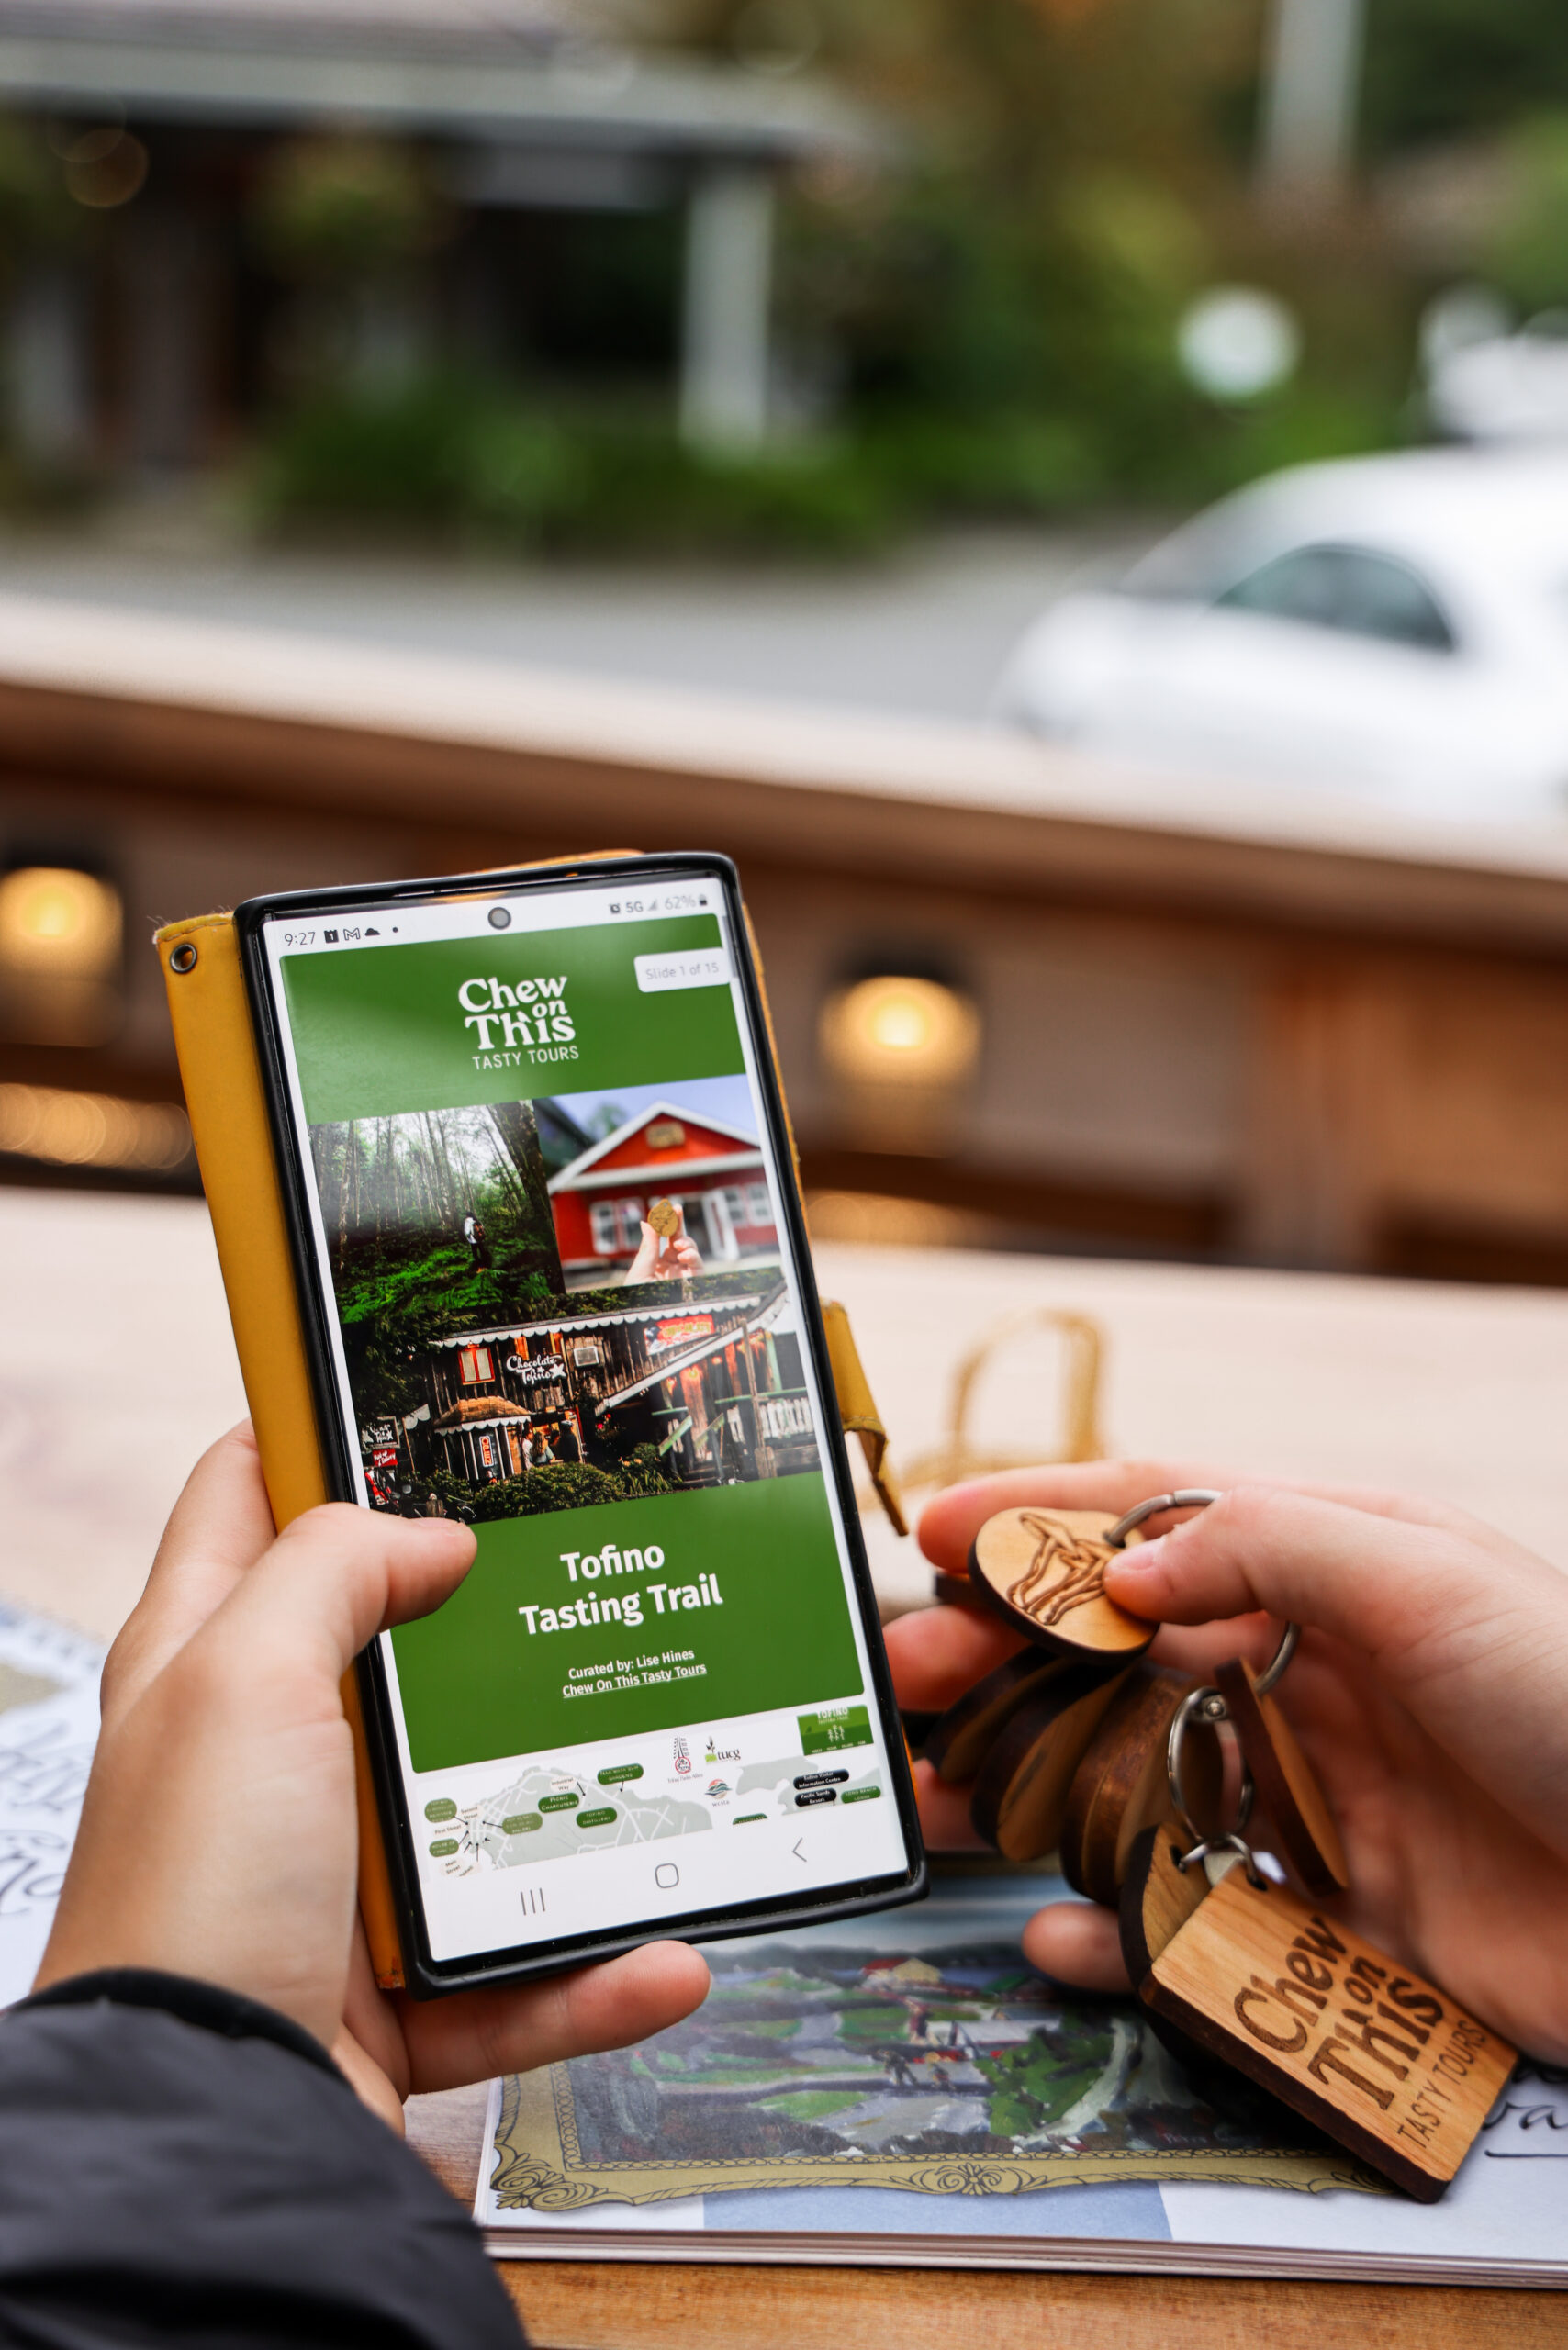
column 556, row 1281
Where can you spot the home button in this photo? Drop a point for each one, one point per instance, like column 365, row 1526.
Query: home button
column 667, row 1874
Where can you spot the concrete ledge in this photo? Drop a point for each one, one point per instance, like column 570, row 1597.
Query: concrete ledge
column 215, row 713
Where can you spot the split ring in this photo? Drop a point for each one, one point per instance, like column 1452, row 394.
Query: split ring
column 1200, row 1497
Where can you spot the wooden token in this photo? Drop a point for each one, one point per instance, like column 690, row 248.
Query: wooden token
column 957, row 1591
column 1156, row 1900
column 1121, row 1786
column 1023, row 1783
column 665, row 1218
column 958, row 1740
column 1286, row 1784
column 1382, row 2060
column 1152, row 1908
column 1044, row 1571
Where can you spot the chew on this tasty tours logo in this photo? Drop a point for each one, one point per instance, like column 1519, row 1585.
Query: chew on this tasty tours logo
column 528, row 1020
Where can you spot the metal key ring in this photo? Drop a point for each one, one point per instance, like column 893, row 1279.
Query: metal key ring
column 1189, row 1497
column 1200, row 1497
column 1208, row 1706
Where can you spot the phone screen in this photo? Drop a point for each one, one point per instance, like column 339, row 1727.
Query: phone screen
column 545, row 1208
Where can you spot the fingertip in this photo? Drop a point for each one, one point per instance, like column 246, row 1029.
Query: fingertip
column 684, row 1969
column 1136, row 1572
column 448, row 1531
column 1077, row 1944
column 938, row 1653
column 645, row 1990
column 234, row 1453
column 945, row 1816
column 944, row 1527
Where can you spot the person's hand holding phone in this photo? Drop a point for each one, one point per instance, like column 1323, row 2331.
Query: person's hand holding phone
column 1428, row 1693
column 218, row 1835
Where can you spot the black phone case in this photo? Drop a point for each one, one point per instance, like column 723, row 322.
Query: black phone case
column 428, row 1978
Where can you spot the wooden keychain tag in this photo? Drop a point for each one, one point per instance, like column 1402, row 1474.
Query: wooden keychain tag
column 1286, row 1784
column 960, row 1740
column 1382, row 2061
column 1044, row 1571
column 1122, row 1786
column 1022, row 1789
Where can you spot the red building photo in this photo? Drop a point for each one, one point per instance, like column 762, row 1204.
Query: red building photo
column 500, row 1360
column 709, row 1165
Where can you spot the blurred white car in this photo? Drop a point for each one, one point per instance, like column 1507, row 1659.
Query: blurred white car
column 1393, row 626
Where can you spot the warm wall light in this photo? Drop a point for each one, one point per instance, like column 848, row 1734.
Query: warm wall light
column 106, row 168
column 60, row 955
column 898, row 1030
column 67, row 1130
column 55, row 919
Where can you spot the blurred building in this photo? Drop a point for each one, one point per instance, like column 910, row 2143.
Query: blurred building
column 580, row 206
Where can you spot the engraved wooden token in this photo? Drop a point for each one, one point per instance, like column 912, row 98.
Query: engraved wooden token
column 1121, row 1786
column 1044, row 1571
column 1023, row 1783
column 1286, row 1783
column 1384, row 2061
column 958, row 1740
column 665, row 1217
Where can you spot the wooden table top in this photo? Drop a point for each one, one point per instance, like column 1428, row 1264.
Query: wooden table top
column 1450, row 1391
column 1458, row 1393
column 671, row 2305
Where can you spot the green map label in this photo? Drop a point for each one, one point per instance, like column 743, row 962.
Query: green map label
column 839, row 1725
column 764, row 1626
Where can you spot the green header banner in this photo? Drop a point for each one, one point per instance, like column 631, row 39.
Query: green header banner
column 445, row 1025
column 626, row 1618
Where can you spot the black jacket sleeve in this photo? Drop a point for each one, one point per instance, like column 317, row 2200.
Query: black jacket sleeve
column 180, row 2166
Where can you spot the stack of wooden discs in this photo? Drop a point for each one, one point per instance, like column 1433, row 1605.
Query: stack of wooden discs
column 1067, row 1743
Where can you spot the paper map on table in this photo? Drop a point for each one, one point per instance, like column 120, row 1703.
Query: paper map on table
column 912, row 2058
column 49, row 1726
column 903, row 2089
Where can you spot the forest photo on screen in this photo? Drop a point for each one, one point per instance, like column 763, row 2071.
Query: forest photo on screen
column 488, row 1383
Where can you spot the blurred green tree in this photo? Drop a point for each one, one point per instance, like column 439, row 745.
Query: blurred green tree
column 1527, row 253
column 345, row 207
column 1001, row 306
column 983, row 320
column 36, row 214
column 1443, row 69
column 351, row 222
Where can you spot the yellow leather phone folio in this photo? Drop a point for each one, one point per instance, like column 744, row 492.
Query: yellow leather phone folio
column 210, row 1013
